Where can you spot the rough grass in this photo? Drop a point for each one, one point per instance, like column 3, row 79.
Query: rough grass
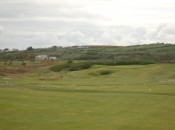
column 18, row 67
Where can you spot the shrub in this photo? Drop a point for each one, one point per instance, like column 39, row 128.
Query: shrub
column 58, row 68
column 79, row 66
column 69, row 62
column 105, row 72
column 23, row 63
column 71, row 66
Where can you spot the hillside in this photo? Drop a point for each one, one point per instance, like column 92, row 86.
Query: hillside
column 154, row 52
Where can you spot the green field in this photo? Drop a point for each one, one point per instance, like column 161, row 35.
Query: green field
column 134, row 97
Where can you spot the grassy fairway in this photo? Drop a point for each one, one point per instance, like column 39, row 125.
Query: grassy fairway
column 130, row 98
column 37, row 109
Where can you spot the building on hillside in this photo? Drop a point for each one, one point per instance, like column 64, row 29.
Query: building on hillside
column 41, row 57
column 52, row 58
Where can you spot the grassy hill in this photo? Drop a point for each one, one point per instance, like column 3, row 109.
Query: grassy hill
column 98, row 90
column 156, row 52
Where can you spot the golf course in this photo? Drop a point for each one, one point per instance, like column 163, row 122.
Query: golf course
column 87, row 64
column 102, row 97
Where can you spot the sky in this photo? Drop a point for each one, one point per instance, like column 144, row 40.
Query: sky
column 46, row 23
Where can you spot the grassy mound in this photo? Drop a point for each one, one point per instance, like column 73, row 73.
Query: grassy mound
column 101, row 72
column 105, row 72
column 70, row 66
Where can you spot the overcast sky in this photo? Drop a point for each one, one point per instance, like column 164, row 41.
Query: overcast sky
column 45, row 23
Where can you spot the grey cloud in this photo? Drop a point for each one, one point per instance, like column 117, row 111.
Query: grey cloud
column 169, row 30
column 139, row 33
column 76, row 37
column 125, row 35
column 31, row 10
column 166, row 34
column 23, row 40
column 160, row 28
column 46, row 34
column 107, row 39
column 41, row 23
column 119, row 35
column 62, row 26
column 85, row 34
column 82, row 34
column 129, row 35
column 1, row 29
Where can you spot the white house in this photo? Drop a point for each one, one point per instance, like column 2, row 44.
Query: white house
column 41, row 57
column 52, row 58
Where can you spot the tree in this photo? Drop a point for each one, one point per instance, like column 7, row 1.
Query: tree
column 54, row 47
column 29, row 48
column 6, row 50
